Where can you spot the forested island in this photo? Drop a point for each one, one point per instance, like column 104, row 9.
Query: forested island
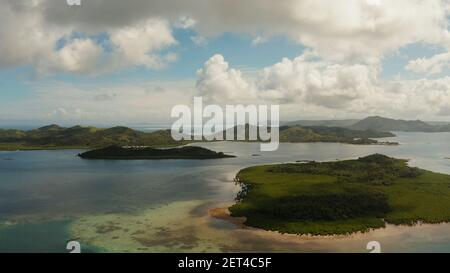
column 341, row 197
column 129, row 153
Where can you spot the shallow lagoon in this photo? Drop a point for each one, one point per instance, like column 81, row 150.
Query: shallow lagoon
column 153, row 206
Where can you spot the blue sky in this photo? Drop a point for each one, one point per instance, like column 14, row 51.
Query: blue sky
column 315, row 59
column 17, row 84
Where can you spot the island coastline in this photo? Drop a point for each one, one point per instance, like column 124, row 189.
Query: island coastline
column 241, row 220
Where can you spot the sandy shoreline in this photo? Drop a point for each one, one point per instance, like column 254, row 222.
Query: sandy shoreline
column 223, row 213
column 391, row 237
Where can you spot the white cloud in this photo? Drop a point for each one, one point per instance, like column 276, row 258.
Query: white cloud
column 24, row 39
column 316, row 82
column 219, row 83
column 199, row 41
column 430, row 66
column 185, row 22
column 360, row 31
column 340, row 73
column 135, row 45
column 301, row 80
column 259, row 40
column 78, row 56
column 341, row 30
column 307, row 85
column 29, row 38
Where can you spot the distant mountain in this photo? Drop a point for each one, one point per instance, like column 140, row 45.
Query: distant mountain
column 54, row 136
column 377, row 123
column 326, row 123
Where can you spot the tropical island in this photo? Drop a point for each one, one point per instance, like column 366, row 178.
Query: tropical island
column 341, row 197
column 133, row 152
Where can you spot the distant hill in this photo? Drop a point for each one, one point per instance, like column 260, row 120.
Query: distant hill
column 326, row 123
column 78, row 137
column 54, row 136
column 330, row 134
column 386, row 124
column 305, row 134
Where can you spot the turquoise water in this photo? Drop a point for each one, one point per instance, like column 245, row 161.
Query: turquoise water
column 34, row 237
column 43, row 192
column 38, row 237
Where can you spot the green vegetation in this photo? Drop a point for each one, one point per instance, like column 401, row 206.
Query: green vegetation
column 56, row 137
column 341, row 197
column 386, row 124
column 331, row 134
column 326, row 123
column 78, row 137
column 188, row 152
column 311, row 134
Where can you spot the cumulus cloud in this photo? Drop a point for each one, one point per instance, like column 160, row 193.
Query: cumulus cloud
column 433, row 65
column 217, row 82
column 29, row 37
column 347, row 39
column 303, row 79
column 341, row 30
column 305, row 87
column 136, row 43
column 24, row 38
column 366, row 30
column 28, row 40
column 310, row 84
column 317, row 82
column 78, row 56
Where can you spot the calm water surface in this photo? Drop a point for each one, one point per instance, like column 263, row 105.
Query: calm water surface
column 49, row 197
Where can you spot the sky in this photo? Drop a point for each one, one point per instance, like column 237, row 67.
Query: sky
column 115, row 62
